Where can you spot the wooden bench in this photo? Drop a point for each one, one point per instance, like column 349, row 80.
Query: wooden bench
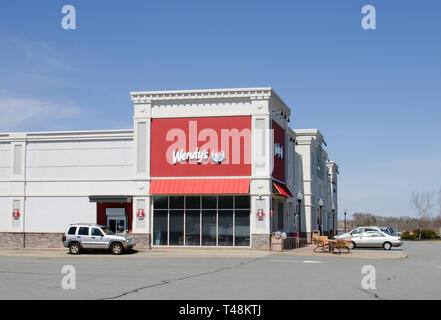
column 342, row 244
column 322, row 243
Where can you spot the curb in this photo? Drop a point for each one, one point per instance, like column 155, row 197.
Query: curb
column 145, row 253
column 346, row 256
column 138, row 253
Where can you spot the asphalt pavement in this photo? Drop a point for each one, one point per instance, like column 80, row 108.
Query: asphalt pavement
column 250, row 275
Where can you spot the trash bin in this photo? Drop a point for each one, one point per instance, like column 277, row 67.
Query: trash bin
column 315, row 236
column 276, row 241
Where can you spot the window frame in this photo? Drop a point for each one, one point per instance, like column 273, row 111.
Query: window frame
column 201, row 213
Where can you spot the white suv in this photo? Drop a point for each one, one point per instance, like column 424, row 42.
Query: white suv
column 94, row 236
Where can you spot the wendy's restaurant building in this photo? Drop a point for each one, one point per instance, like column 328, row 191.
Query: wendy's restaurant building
column 200, row 168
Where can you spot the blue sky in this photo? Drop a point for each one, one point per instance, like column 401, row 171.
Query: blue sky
column 375, row 95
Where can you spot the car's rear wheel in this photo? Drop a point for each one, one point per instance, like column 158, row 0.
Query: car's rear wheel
column 351, row 245
column 74, row 248
column 387, row 246
column 117, row 248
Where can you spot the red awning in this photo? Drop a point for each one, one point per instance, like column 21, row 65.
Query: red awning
column 282, row 189
column 199, row 186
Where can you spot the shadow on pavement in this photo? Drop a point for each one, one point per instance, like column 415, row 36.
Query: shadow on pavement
column 103, row 253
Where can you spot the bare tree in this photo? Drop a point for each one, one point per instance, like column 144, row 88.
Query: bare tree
column 439, row 203
column 423, row 203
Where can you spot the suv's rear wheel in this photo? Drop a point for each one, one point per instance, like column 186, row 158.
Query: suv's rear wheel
column 117, row 248
column 74, row 248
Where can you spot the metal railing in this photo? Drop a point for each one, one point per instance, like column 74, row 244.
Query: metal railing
column 291, row 243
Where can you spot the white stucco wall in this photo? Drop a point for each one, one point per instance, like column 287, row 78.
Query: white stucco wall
column 80, row 159
column 5, row 213
column 54, row 214
column 315, row 187
column 5, row 160
column 58, row 173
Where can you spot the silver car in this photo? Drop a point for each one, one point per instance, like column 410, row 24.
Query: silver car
column 356, row 232
column 94, row 236
column 376, row 239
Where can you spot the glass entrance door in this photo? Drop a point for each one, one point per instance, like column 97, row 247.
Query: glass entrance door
column 117, row 225
column 117, row 219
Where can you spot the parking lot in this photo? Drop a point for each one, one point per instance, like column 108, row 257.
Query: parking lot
column 192, row 274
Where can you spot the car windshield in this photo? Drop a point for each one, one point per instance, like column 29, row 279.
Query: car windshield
column 107, row 230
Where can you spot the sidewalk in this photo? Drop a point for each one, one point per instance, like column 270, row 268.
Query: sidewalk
column 396, row 253
column 365, row 253
column 153, row 253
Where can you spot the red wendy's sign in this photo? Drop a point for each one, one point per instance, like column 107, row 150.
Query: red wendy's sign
column 210, row 146
column 279, row 152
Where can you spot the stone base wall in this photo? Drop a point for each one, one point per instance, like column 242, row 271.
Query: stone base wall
column 30, row 240
column 261, row 241
column 53, row 240
column 11, row 240
column 142, row 240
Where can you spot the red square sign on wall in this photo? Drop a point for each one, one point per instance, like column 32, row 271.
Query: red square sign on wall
column 198, row 147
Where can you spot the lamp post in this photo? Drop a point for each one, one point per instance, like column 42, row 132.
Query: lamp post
column 333, row 218
column 345, row 220
column 329, row 224
column 320, row 216
column 299, row 200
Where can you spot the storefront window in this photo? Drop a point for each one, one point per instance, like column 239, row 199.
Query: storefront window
column 160, row 227
column 242, row 228
column 209, row 228
column 226, row 202
column 193, row 228
column 225, row 228
column 201, row 221
column 192, row 202
column 241, row 202
column 176, row 228
column 176, row 202
column 209, row 202
column 160, row 202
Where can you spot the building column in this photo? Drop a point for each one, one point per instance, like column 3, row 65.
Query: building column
column 260, row 233
column 141, row 200
column 141, row 221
